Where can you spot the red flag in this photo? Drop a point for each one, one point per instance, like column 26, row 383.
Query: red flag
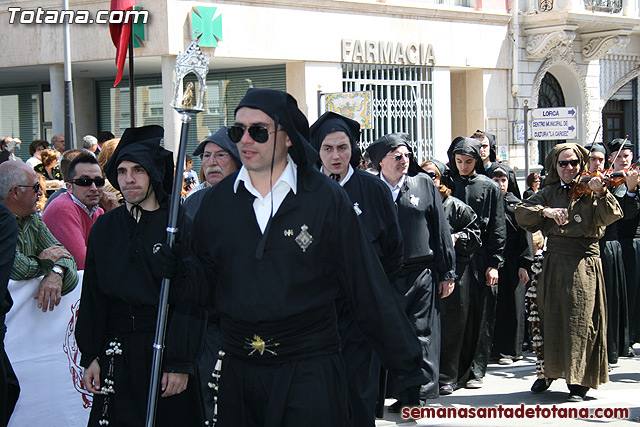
column 120, row 34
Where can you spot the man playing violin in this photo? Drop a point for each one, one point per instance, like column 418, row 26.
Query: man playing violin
column 628, row 234
column 571, row 295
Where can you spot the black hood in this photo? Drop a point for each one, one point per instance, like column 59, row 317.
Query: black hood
column 382, row 146
column 221, row 139
column 283, row 109
column 619, row 144
column 467, row 146
column 493, row 144
column 445, row 173
column 333, row 122
column 142, row 146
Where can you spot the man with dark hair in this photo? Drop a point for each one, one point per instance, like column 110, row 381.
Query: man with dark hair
column 336, row 139
column 488, row 154
column 65, row 161
column 276, row 243
column 512, row 280
column 38, row 253
column 35, row 148
column 103, row 137
column 120, row 296
column 485, row 198
column 71, row 216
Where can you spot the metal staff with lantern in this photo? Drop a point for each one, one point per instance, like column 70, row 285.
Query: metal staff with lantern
column 188, row 103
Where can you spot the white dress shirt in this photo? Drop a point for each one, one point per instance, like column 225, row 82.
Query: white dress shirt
column 288, row 181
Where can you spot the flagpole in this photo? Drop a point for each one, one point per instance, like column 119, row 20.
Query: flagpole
column 69, row 110
column 132, row 103
column 188, row 103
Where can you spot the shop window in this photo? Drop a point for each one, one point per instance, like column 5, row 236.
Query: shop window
column 20, row 116
column 402, row 102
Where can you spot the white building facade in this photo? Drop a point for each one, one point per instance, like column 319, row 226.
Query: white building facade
column 436, row 71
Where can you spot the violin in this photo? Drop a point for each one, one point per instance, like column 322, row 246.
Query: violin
column 608, row 177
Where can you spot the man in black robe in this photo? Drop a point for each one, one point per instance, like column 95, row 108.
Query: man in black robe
column 513, row 278
column 488, row 154
column 336, row 139
column 276, row 244
column 620, row 254
column 120, row 295
column 428, row 269
column 9, row 388
column 454, row 310
column 220, row 158
column 485, row 198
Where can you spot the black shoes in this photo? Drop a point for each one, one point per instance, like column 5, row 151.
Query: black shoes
column 577, row 393
column 395, row 408
column 541, row 384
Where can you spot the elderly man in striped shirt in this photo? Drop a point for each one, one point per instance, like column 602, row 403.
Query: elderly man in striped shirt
column 38, row 253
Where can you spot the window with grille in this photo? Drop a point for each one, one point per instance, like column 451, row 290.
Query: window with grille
column 402, row 102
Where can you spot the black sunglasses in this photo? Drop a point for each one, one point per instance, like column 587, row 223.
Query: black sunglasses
column 433, row 175
column 86, row 182
column 35, row 187
column 565, row 163
column 258, row 133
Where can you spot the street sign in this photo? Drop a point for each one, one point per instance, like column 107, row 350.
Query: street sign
column 554, row 123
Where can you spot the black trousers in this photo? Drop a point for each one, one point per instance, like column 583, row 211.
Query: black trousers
column 615, row 284
column 310, row 392
column 631, row 256
column 478, row 336
column 509, row 320
column 454, row 312
column 419, row 297
column 361, row 366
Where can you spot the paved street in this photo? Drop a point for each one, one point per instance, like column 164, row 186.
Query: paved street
column 509, row 386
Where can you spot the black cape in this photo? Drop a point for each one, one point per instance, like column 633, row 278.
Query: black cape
column 119, row 301
column 9, row 388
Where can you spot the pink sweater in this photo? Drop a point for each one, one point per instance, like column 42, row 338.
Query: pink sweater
column 70, row 224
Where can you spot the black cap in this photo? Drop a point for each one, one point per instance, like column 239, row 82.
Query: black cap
column 221, row 139
column 381, row 146
column 597, row 147
column 333, row 122
column 142, row 146
column 620, row 144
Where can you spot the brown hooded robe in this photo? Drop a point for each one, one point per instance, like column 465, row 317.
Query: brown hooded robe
column 571, row 296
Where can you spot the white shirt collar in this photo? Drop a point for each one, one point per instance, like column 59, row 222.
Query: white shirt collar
column 395, row 189
column 289, row 176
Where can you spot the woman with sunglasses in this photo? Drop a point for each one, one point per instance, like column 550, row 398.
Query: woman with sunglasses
column 571, row 290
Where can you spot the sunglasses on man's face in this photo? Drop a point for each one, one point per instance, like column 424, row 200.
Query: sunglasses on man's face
column 35, row 187
column 565, row 163
column 258, row 133
column 86, row 182
column 399, row 156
